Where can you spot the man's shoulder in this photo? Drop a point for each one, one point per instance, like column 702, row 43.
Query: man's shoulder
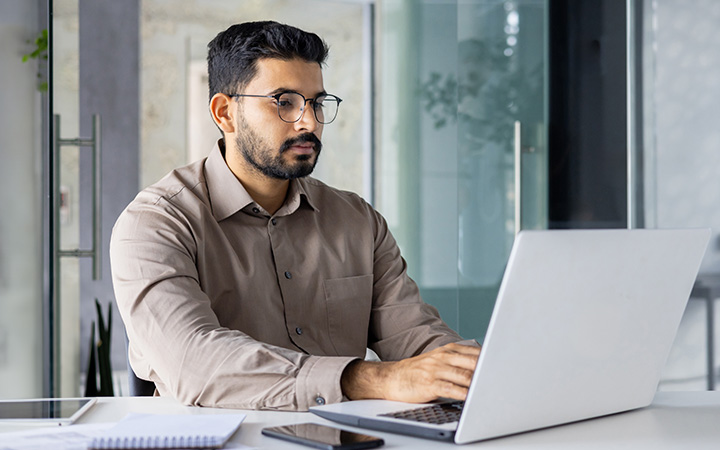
column 341, row 206
column 177, row 186
column 181, row 192
column 322, row 193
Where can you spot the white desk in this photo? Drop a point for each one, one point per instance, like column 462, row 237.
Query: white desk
column 675, row 420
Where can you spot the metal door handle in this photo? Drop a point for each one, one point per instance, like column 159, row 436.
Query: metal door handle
column 518, row 176
column 94, row 142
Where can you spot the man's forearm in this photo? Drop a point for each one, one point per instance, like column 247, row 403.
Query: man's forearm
column 364, row 379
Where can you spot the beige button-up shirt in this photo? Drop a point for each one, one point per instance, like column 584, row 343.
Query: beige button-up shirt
column 226, row 305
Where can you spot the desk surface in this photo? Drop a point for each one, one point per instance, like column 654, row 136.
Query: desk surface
column 675, row 420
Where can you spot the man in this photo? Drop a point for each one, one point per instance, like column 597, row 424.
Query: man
column 245, row 284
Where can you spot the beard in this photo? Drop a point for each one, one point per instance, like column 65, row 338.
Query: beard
column 264, row 159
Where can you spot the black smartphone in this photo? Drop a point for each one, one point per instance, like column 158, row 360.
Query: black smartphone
column 324, row 437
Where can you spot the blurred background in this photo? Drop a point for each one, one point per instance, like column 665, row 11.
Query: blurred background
column 462, row 122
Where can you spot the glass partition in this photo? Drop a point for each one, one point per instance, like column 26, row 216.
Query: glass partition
column 502, row 151
column 21, row 196
column 462, row 157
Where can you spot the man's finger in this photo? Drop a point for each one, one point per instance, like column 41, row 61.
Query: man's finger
column 460, row 360
column 457, row 376
column 451, row 390
column 464, row 359
column 464, row 349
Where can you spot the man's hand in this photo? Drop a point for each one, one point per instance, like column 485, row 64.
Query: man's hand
column 443, row 372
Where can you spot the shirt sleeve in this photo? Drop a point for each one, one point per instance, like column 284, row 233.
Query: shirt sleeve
column 176, row 339
column 402, row 325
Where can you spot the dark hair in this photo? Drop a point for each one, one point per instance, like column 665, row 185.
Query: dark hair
column 233, row 54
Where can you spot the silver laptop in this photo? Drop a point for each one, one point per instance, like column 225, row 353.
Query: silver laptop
column 582, row 327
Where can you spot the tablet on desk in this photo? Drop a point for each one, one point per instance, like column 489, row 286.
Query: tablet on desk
column 59, row 411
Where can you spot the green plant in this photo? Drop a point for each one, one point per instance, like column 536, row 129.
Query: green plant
column 41, row 54
column 100, row 357
column 487, row 90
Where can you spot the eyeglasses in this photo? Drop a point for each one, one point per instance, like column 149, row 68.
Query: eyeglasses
column 291, row 106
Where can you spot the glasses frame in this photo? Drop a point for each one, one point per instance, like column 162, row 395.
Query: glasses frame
column 277, row 96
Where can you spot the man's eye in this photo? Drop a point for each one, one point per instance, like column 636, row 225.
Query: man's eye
column 284, row 103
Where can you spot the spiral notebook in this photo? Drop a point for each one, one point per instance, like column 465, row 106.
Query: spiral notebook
column 180, row 431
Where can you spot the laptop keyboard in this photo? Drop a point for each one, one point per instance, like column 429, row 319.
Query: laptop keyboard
column 434, row 414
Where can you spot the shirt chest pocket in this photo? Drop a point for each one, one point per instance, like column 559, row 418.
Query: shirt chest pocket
column 348, row 302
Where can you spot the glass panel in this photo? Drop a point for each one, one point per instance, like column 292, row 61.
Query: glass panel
column 502, row 79
column 455, row 77
column 416, row 170
column 21, row 197
column 681, row 160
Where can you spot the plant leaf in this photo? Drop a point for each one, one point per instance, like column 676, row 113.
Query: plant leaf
column 91, row 389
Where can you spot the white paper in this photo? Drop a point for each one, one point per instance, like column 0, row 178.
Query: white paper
column 71, row 437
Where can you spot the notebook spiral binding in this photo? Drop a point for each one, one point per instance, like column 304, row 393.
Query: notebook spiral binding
column 103, row 443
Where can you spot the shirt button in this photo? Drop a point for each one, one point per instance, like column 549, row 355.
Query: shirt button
column 274, row 221
column 298, row 330
column 255, row 210
column 288, row 275
column 319, row 400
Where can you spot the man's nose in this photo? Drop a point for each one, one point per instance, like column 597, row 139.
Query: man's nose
column 307, row 121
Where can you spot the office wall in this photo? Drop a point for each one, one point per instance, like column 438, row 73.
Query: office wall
column 21, row 203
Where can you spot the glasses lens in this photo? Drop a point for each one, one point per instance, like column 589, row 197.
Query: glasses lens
column 326, row 108
column 290, row 106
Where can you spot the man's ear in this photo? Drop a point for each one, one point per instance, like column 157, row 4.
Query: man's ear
column 222, row 112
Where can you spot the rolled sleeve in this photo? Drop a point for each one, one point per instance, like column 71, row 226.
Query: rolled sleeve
column 318, row 382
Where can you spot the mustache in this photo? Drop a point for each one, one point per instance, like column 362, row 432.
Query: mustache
column 303, row 138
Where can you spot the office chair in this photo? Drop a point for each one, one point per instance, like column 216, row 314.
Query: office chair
column 137, row 386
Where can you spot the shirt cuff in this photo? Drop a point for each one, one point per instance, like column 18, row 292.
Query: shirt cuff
column 318, row 382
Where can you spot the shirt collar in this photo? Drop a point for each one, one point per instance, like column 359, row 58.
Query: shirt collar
column 228, row 195
column 296, row 196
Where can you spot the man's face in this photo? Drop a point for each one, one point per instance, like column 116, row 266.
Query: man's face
column 275, row 148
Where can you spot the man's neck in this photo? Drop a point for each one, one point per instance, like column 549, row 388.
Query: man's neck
column 267, row 192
